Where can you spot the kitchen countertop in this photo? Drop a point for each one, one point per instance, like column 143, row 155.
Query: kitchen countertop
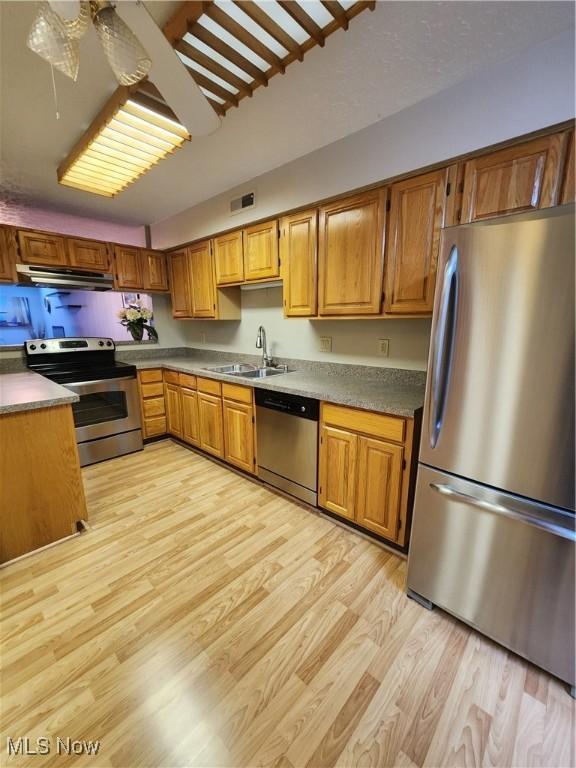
column 395, row 397
column 29, row 391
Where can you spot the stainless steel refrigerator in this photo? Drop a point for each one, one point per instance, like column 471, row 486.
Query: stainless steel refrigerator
column 493, row 533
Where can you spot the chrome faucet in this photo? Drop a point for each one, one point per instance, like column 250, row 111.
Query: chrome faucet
column 261, row 344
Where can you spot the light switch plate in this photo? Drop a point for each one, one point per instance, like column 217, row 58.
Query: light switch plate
column 325, row 343
column 383, row 347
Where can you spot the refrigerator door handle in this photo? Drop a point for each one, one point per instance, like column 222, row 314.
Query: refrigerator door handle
column 500, row 509
column 443, row 346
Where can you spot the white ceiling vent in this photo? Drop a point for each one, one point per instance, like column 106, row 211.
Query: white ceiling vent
column 243, row 202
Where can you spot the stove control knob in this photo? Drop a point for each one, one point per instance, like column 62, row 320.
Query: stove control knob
column 42, row 346
column 303, row 408
column 100, row 343
column 32, row 346
column 108, row 343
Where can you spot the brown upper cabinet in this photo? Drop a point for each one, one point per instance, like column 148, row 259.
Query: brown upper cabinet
column 42, row 249
column 414, row 223
column 193, row 286
column 8, row 254
column 203, row 286
column 350, row 255
column 180, row 283
column 88, row 254
column 261, row 251
column 129, row 273
column 568, row 192
column 140, row 269
column 155, row 270
column 519, row 178
column 298, row 246
column 229, row 258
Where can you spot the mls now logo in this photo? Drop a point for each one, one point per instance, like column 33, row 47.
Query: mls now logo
column 43, row 746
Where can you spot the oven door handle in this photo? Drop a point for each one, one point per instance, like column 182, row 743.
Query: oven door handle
column 98, row 381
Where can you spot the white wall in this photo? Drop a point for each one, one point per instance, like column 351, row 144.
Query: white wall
column 353, row 341
column 527, row 93
column 524, row 94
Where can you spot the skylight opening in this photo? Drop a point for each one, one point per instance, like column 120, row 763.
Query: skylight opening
column 284, row 20
column 211, row 95
column 226, row 37
column 217, row 57
column 206, row 72
column 236, row 13
column 316, row 11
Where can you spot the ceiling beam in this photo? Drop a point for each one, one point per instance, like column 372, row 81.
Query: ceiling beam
column 260, row 17
column 204, row 82
column 229, row 53
column 301, row 17
column 336, row 11
column 185, row 17
column 212, row 66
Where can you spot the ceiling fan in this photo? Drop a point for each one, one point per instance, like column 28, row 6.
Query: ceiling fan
column 134, row 46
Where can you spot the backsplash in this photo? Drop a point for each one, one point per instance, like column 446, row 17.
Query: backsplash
column 354, row 342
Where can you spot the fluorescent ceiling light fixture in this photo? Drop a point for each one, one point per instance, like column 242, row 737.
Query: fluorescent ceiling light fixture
column 119, row 147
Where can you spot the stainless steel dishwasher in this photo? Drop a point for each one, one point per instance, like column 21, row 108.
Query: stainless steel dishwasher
column 287, row 434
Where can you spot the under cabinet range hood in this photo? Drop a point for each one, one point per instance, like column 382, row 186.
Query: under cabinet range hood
column 63, row 278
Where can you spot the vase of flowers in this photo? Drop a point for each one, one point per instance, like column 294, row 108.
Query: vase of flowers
column 136, row 319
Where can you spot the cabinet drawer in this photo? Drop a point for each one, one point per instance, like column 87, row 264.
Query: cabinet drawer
column 172, row 377
column 187, row 380
column 152, row 374
column 209, row 386
column 154, row 389
column 155, row 406
column 155, row 426
column 237, row 392
column 368, row 422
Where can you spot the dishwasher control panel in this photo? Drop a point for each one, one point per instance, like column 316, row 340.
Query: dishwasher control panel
column 294, row 405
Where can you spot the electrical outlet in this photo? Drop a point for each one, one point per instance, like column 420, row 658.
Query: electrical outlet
column 383, row 347
column 325, row 343
column 202, row 338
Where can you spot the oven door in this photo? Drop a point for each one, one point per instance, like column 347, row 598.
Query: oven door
column 106, row 407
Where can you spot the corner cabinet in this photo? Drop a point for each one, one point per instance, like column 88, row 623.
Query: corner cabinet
column 180, row 288
column 365, row 469
column 155, row 272
column 415, row 221
column 351, row 256
column 516, row 179
column 298, row 249
column 129, row 273
column 568, row 184
column 261, row 251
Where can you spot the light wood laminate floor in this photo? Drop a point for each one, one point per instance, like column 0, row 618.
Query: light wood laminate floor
column 205, row 621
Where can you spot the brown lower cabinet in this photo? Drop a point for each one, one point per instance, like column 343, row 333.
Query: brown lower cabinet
column 364, row 468
column 218, row 418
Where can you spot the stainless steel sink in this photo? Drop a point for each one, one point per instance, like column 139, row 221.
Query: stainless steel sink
column 260, row 373
column 233, row 369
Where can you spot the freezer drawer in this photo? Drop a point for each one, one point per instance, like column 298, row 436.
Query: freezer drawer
column 498, row 562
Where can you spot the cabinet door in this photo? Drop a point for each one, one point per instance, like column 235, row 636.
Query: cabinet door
column 229, row 258
column 239, row 435
column 128, row 267
column 8, row 254
column 298, row 238
column 189, row 407
column 173, row 410
column 337, row 471
column 202, row 280
column 180, row 288
column 512, row 180
column 155, row 272
column 379, row 486
column 88, row 254
column 414, row 224
column 261, row 251
column 568, row 193
column 42, row 249
column 210, row 418
column 350, row 255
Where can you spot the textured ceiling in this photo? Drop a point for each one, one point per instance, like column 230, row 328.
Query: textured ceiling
column 390, row 59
